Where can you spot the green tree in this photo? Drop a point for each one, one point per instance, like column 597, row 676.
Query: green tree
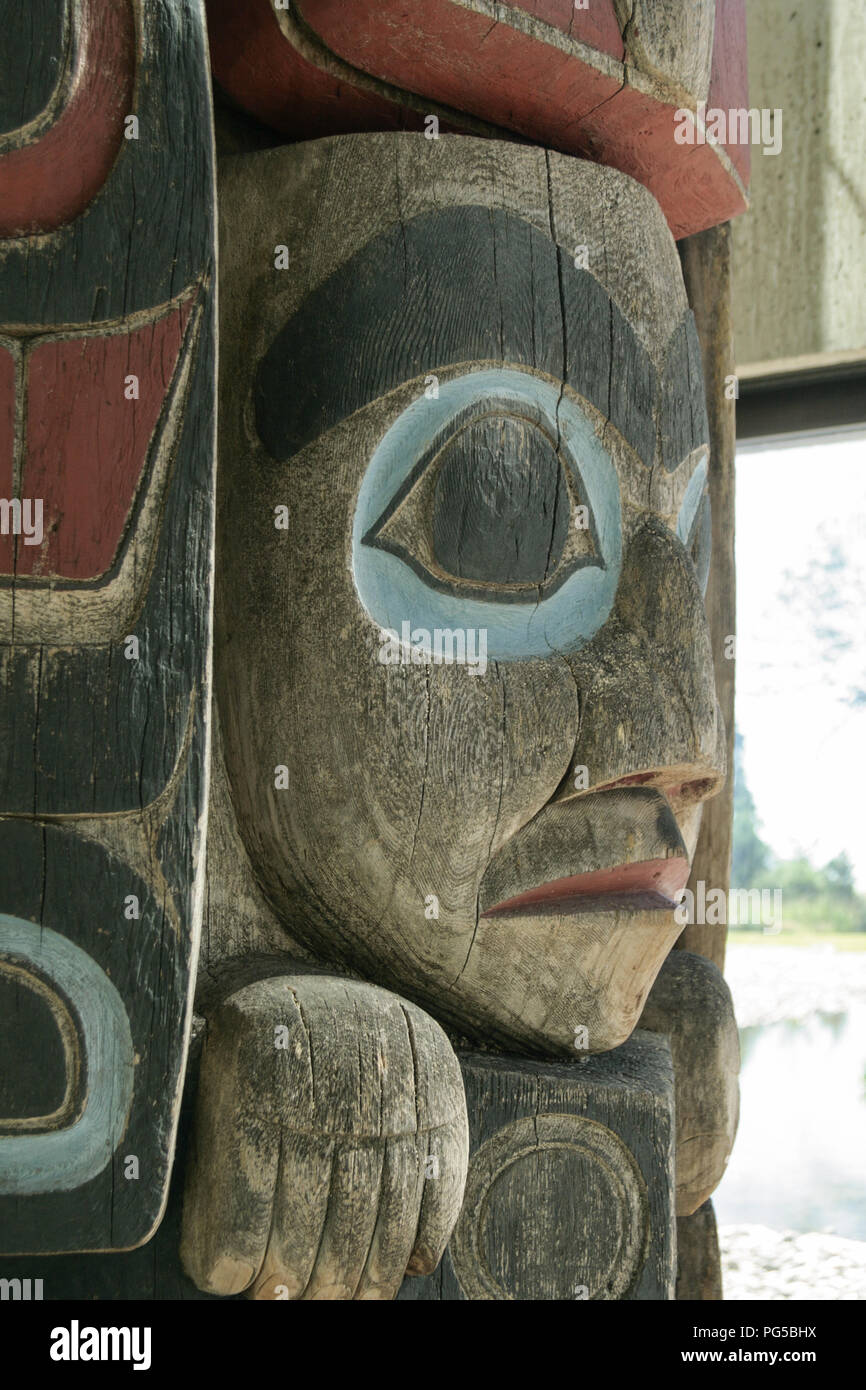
column 751, row 854
column 839, row 876
column 798, row 879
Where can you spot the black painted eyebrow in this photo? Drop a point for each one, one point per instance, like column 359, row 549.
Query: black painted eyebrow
column 683, row 423
column 461, row 285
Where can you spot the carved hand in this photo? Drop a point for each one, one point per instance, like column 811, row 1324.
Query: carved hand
column 330, row 1146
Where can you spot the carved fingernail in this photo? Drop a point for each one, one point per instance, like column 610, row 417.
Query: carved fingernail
column 230, row 1276
column 334, row 1292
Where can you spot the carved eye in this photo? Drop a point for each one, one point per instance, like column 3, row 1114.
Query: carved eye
column 493, row 508
column 694, row 523
column 494, row 505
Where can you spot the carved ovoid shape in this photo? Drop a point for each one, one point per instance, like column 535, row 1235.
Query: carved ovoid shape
column 38, row 1091
column 107, row 479
column 59, row 159
column 571, row 1200
column 62, row 1149
column 604, row 81
column 555, row 1170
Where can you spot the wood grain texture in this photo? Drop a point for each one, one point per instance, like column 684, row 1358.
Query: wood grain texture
column 37, row 30
column 569, row 1192
column 88, row 483
column 546, row 851
column 684, row 425
column 671, row 41
column 503, row 63
column 699, row 1264
column 238, row 922
column 474, row 250
column 152, row 1271
column 567, row 82
column 627, row 1093
column 422, row 773
column 707, row 270
column 275, row 68
column 663, row 645
column 53, row 164
column 105, row 741
column 692, row 1005
column 496, row 470
column 330, row 1144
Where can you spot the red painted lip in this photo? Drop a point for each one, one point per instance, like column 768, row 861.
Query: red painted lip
column 649, row 885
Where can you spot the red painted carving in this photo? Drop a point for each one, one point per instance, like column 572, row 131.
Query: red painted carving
column 268, row 77
column 564, row 93
column 596, row 26
column 455, row 56
column 649, row 883
column 396, row 40
column 7, row 448
column 46, row 181
column 87, row 441
column 729, row 78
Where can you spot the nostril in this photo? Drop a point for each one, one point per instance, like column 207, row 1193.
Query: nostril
column 690, row 793
column 679, row 793
column 679, row 790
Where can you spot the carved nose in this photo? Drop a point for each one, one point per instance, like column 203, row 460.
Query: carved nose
column 648, row 709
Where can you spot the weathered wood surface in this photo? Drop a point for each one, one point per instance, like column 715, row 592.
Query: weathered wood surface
column 692, row 1005
column 277, row 69
column 615, row 1114
column 569, row 1194
column 150, row 1272
column 238, row 923
column 605, row 81
column 107, row 280
column 330, row 1145
column 671, row 41
column 699, row 1263
column 374, row 786
column 706, row 263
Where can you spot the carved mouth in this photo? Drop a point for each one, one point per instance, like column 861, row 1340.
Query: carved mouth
column 615, row 851
column 651, row 885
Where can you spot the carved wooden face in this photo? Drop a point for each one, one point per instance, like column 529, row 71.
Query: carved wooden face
column 467, row 692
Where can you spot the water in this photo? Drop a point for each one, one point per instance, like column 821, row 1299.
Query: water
column 799, row 1162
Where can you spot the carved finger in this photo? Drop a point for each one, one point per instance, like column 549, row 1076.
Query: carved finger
column 397, row 1221
column 446, row 1161
column 350, row 1221
column 231, row 1174
column 254, row 1080
column 300, row 1205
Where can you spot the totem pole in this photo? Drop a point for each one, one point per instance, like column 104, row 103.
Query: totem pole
column 107, row 281
column 465, row 717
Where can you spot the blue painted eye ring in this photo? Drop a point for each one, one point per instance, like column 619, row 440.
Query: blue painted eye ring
column 392, row 591
column 488, row 406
